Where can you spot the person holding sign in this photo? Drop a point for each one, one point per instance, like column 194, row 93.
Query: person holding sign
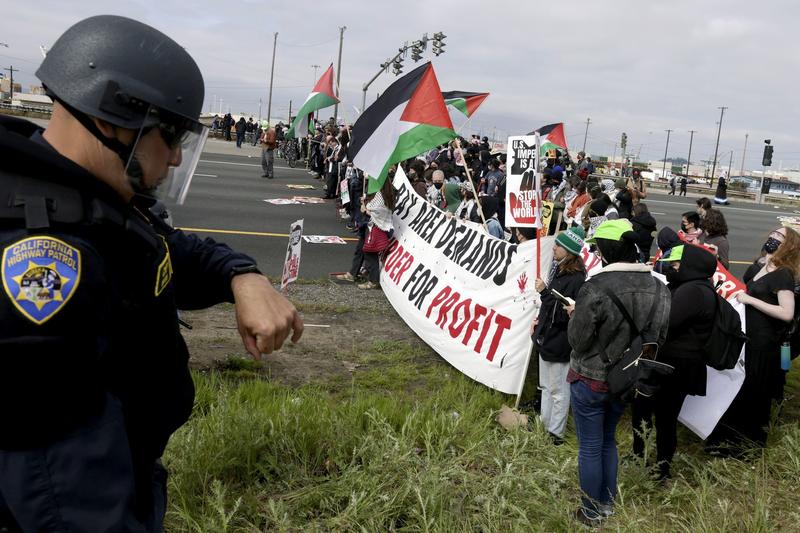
column 550, row 335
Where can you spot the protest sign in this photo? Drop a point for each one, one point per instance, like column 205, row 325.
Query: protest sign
column 291, row 266
column 468, row 295
column 523, row 182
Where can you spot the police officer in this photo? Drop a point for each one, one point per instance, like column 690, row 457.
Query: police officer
column 93, row 368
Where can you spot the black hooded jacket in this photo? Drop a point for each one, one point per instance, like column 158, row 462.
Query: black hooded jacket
column 644, row 225
column 115, row 330
column 691, row 317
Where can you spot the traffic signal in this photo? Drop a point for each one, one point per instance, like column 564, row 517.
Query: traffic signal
column 624, row 141
column 767, row 159
column 438, row 43
column 416, row 50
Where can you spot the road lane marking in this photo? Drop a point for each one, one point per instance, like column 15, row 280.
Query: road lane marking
column 249, row 164
column 207, row 175
column 251, row 233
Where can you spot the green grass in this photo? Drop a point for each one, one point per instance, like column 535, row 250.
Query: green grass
column 409, row 444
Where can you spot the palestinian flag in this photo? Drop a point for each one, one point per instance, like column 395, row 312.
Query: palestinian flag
column 552, row 137
column 409, row 118
column 465, row 102
column 321, row 96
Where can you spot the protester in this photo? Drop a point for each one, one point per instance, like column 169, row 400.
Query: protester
column 703, row 206
column 684, row 182
column 598, row 327
column 436, row 191
column 468, row 208
column 332, row 168
column 377, row 209
column 623, row 198
column 489, row 205
column 721, row 196
column 665, row 241
column 566, row 276
column 770, row 306
column 575, row 208
column 645, row 227
column 672, row 182
column 715, row 235
column 690, row 226
column 691, row 317
column 268, row 144
column 241, row 130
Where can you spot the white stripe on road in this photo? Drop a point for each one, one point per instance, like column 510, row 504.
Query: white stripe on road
column 248, row 164
column 207, row 175
column 723, row 208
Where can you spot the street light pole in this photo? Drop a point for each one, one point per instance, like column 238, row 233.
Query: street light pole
column 586, row 133
column 666, row 149
column 271, row 77
column 689, row 159
column 716, row 148
column 338, row 75
column 744, row 153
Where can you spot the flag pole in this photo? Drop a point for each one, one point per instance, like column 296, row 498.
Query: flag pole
column 471, row 184
column 538, row 187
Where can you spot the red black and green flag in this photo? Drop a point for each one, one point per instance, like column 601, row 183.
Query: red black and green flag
column 409, row 118
column 551, row 137
column 465, row 102
column 321, row 96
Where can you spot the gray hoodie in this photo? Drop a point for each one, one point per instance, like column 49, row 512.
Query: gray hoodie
column 597, row 324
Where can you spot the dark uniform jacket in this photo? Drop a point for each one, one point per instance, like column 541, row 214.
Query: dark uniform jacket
column 88, row 310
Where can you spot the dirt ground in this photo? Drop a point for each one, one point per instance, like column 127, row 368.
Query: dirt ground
column 340, row 320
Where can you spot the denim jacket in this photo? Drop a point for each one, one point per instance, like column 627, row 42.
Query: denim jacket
column 597, row 325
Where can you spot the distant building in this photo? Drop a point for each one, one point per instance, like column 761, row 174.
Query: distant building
column 5, row 87
column 32, row 100
column 37, row 89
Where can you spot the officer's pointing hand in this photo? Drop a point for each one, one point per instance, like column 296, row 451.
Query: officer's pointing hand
column 264, row 317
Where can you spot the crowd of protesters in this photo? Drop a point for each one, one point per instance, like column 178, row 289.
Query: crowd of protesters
column 580, row 327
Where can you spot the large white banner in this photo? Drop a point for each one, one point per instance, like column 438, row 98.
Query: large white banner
column 523, row 183
column 468, row 295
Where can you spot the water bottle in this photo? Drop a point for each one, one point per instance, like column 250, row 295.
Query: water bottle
column 786, row 356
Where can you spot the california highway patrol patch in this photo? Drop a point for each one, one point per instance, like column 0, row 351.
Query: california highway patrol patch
column 40, row 275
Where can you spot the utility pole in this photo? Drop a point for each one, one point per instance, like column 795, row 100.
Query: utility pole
column 271, row 77
column 338, row 75
column 744, row 153
column 586, row 133
column 730, row 164
column 290, row 111
column 259, row 111
column 689, row 159
column 11, row 71
column 716, row 148
column 666, row 149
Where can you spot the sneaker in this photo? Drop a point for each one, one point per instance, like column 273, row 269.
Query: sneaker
column 264, row 175
column 347, row 276
column 555, row 439
column 606, row 510
column 369, row 285
column 583, row 518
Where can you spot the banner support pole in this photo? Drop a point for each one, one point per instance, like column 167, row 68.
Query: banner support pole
column 471, row 184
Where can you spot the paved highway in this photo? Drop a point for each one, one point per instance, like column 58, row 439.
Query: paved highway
column 226, row 202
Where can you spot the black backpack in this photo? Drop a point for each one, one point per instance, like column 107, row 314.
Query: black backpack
column 725, row 343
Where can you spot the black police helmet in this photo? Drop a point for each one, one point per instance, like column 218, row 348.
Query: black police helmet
column 114, row 68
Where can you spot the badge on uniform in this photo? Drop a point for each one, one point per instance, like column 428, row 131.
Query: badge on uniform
column 40, row 275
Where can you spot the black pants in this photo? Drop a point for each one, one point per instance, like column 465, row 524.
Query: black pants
column 82, row 482
column 370, row 260
column 665, row 406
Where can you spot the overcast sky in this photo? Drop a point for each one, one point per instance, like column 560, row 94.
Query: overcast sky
column 630, row 65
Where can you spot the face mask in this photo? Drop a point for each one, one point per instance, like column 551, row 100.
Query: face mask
column 771, row 246
column 683, row 227
column 671, row 275
column 438, row 184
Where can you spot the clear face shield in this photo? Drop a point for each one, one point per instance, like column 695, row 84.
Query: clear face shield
column 178, row 133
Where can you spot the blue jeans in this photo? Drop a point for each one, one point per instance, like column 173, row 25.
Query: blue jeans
column 596, row 417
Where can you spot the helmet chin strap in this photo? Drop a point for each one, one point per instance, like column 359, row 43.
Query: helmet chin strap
column 130, row 163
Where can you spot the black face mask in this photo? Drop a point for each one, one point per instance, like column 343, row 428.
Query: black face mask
column 437, row 184
column 683, row 228
column 771, row 246
column 671, row 275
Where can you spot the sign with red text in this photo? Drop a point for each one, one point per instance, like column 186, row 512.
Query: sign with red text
column 468, row 295
column 523, row 182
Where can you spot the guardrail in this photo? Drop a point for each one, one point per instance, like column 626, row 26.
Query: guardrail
column 27, row 108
